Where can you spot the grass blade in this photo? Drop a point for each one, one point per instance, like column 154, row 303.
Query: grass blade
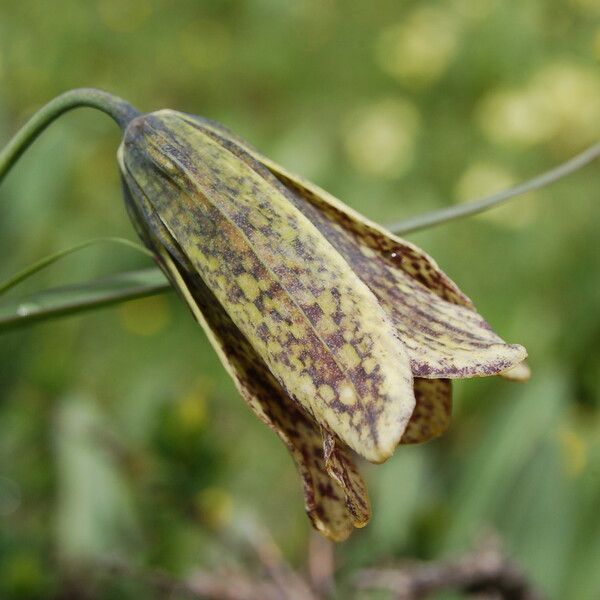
column 52, row 258
column 73, row 299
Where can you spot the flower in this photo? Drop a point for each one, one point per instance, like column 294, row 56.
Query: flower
column 340, row 336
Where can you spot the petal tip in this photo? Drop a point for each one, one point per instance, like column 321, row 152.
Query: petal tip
column 387, row 442
column 331, row 533
column 519, row 373
column 521, row 355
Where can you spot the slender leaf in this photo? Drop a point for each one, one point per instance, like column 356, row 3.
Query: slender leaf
column 73, row 299
column 52, row 258
column 451, row 213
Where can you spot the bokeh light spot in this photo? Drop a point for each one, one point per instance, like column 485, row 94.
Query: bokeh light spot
column 215, row 507
column 562, row 101
column 574, row 451
column 192, row 409
column 148, row 316
column 380, row 139
column 516, row 117
column 419, row 49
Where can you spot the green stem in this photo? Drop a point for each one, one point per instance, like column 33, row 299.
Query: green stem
column 52, row 258
column 437, row 217
column 118, row 109
column 71, row 300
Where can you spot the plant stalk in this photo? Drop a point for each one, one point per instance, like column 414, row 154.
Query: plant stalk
column 452, row 213
column 118, row 109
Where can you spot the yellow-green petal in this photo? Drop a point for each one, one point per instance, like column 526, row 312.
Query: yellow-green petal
column 330, row 500
column 443, row 334
column 315, row 324
column 444, row 339
column 408, row 257
column 520, row 372
column 341, row 468
column 432, row 413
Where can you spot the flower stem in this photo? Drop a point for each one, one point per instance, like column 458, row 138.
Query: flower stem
column 71, row 300
column 118, row 109
column 52, row 258
column 444, row 215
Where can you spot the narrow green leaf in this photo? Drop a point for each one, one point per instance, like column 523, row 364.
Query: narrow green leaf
column 52, row 258
column 491, row 478
column 77, row 298
column 452, row 213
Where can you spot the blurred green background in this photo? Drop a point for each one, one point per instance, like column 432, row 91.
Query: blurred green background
column 120, row 433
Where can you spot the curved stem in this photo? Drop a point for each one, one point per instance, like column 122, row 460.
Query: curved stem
column 118, row 109
column 52, row 258
column 437, row 217
column 70, row 300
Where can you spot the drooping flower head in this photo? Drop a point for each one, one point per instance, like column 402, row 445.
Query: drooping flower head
column 340, row 336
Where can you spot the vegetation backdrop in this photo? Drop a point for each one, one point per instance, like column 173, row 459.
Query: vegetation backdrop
column 120, row 433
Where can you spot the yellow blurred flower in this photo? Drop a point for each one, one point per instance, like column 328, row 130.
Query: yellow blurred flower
column 516, row 117
column 483, row 178
column 572, row 93
column 574, row 451
column 418, row 49
column 215, row 506
column 337, row 333
column 148, row 316
column 192, row 409
column 562, row 101
column 380, row 139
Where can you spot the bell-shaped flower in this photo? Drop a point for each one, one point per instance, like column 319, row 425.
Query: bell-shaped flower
column 340, row 336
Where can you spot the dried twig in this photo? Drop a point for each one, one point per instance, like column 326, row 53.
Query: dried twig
column 221, row 585
column 279, row 582
column 291, row 585
column 484, row 573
